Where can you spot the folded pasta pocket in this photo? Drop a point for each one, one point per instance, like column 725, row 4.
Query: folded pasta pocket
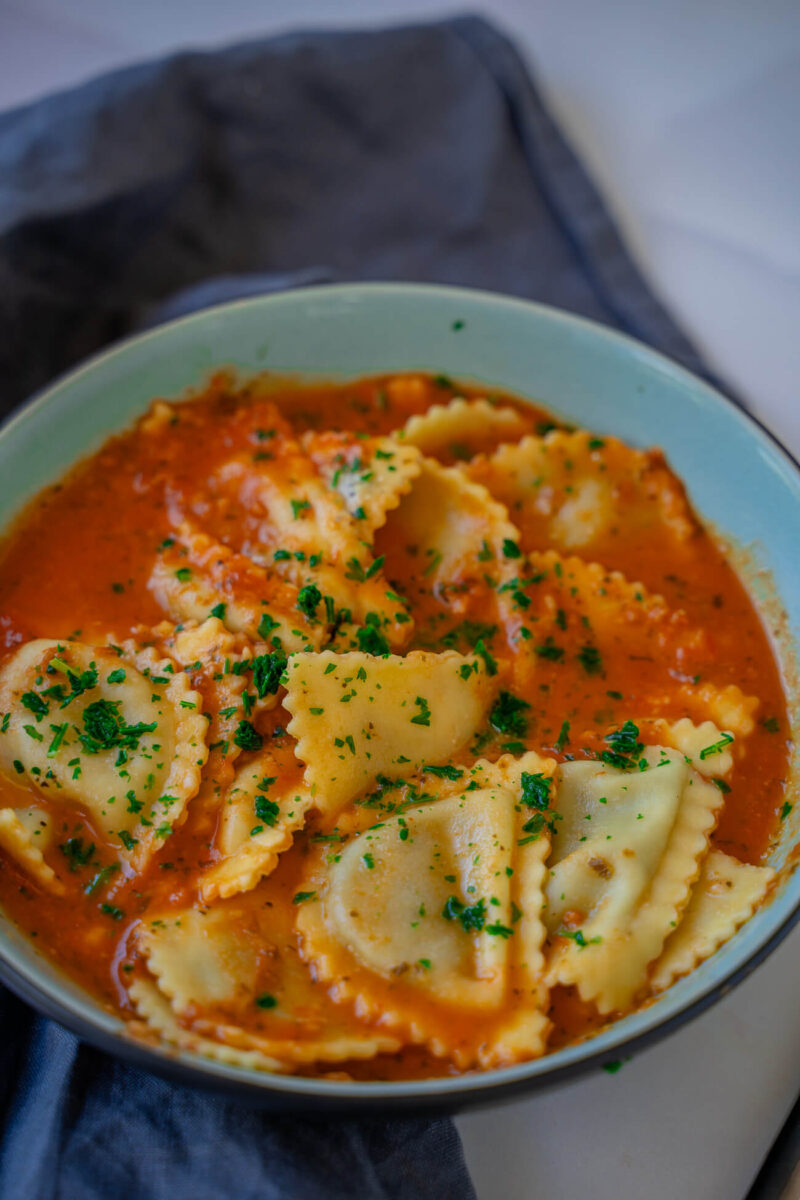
column 454, row 431
column 195, row 577
column 86, row 727
column 626, row 850
column 725, row 896
column 430, row 921
column 229, row 984
column 371, row 474
column 301, row 527
column 27, row 834
column 575, row 491
column 259, row 815
column 356, row 716
column 447, row 532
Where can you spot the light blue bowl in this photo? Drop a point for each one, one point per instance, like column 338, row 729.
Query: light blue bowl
column 738, row 477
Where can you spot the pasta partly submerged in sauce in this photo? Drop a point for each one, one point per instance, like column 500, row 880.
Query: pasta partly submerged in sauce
column 378, row 730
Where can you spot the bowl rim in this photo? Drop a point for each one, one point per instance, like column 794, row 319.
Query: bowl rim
column 289, row 1092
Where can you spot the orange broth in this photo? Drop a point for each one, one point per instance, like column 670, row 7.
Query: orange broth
column 77, row 563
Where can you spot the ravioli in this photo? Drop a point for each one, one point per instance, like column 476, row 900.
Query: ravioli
column 25, row 833
column 579, row 492
column 459, row 429
column 723, row 898
column 86, row 728
column 213, row 967
column 195, row 577
column 378, row 736
column 371, row 474
column 625, row 853
column 259, row 815
column 356, row 717
column 302, row 528
column 426, row 905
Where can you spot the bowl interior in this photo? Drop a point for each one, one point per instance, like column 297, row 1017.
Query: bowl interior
column 738, row 478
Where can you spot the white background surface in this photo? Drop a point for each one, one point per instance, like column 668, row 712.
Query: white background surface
column 687, row 112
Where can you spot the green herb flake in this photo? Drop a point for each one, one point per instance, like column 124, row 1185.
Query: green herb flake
column 471, row 916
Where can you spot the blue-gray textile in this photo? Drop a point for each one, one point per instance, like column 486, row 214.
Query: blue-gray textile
column 419, row 153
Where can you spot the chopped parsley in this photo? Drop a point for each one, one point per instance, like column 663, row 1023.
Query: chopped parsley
column 499, row 930
column 266, row 626
column 590, row 659
column 471, row 916
column 104, row 728
column 267, row 810
column 549, row 650
column 563, row 737
column 716, row 747
column 511, row 549
column 423, row 717
column 447, row 772
column 577, row 936
column 35, row 704
column 267, row 673
column 535, row 790
column 371, row 640
column 489, row 661
column 76, row 854
column 309, row 599
column 626, row 749
column 266, row 1001
column 302, row 897
column 247, row 736
column 508, row 715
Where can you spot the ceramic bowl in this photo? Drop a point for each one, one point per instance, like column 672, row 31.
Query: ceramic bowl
column 739, row 479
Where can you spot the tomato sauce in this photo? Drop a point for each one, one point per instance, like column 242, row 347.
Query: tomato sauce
column 77, row 562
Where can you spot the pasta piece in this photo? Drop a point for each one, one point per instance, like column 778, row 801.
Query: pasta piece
column 241, row 1048
column 222, row 667
column 576, row 619
column 584, row 608
column 705, row 745
column 25, row 834
column 89, row 728
column 371, row 474
column 506, row 773
column 452, row 544
column 203, row 957
column 461, row 428
column 259, row 816
column 195, row 577
column 725, row 896
column 159, row 1019
column 428, row 907
column 356, row 717
column 625, row 854
column 302, row 528
column 575, row 491
column 727, row 707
